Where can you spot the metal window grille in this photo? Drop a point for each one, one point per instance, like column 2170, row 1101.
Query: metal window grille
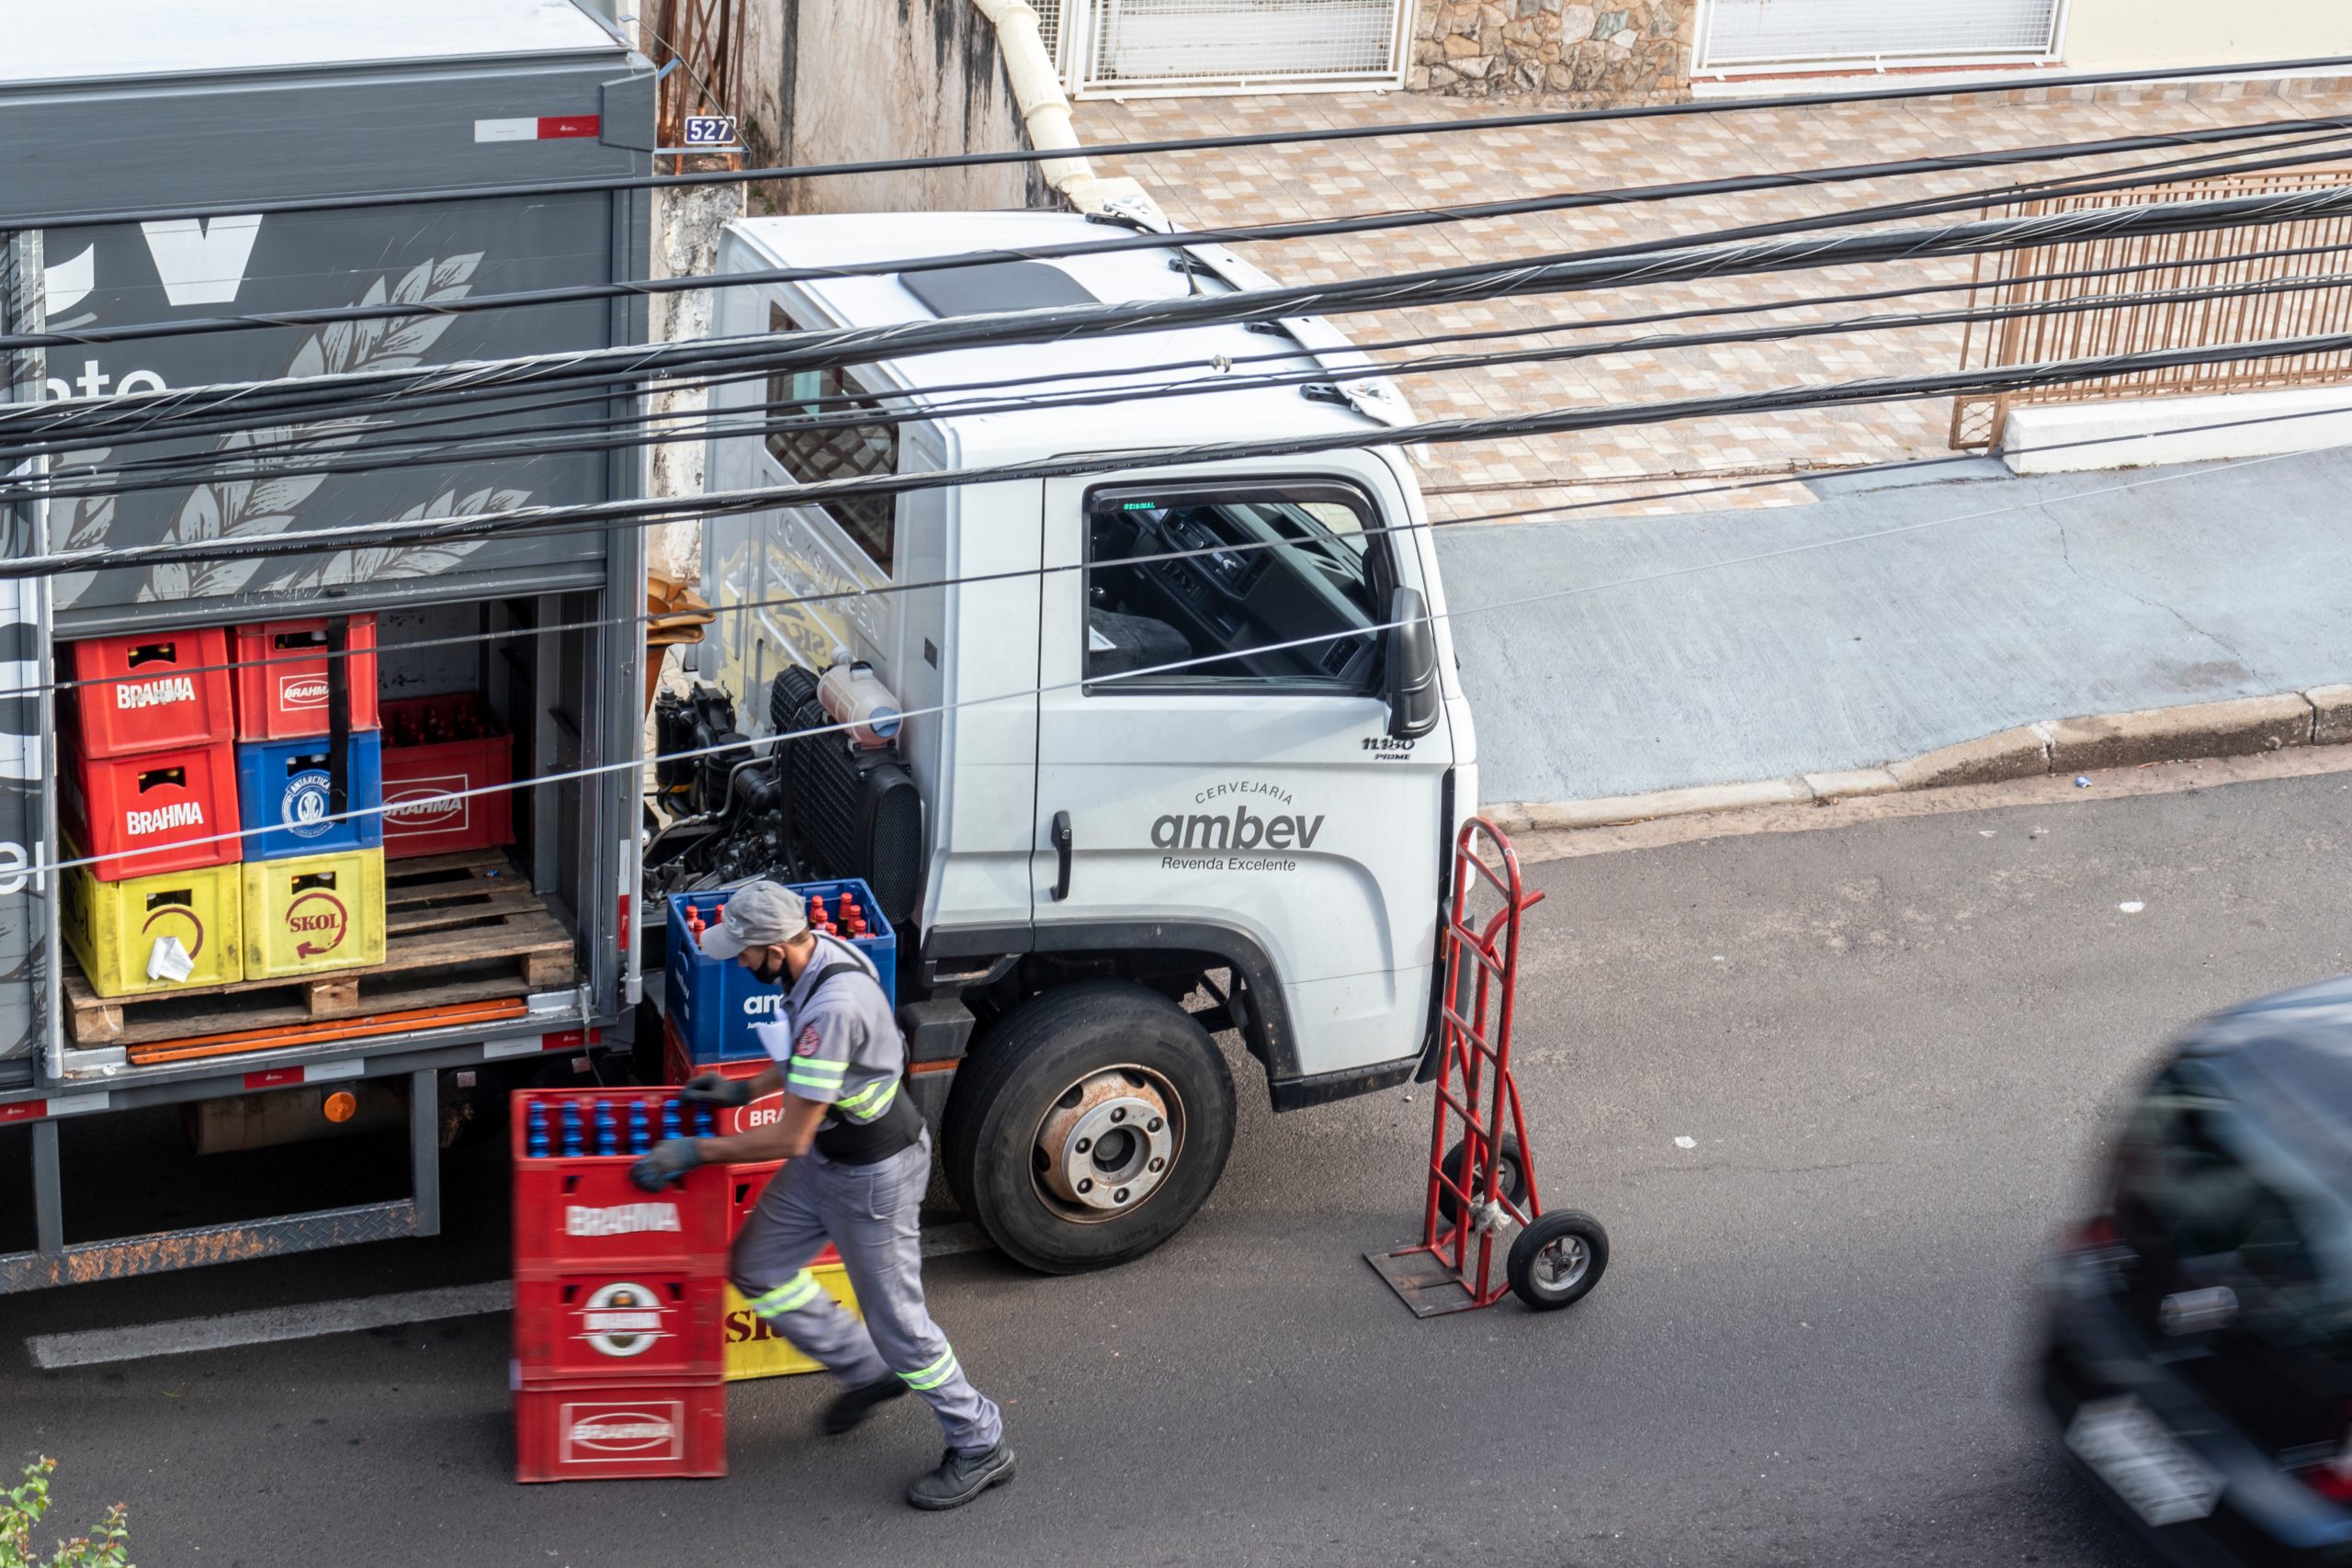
column 1126, row 46
column 1746, row 34
column 841, row 452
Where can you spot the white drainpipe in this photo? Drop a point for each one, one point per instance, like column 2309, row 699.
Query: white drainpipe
column 1044, row 110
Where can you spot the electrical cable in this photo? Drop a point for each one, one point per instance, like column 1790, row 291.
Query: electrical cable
column 217, row 467
column 264, row 448
column 827, row 347
column 1179, row 666
column 286, row 388
column 607, row 515
column 69, row 218
column 85, row 337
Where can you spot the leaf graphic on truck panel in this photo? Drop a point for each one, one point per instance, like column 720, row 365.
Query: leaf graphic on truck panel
column 421, row 559
column 269, row 503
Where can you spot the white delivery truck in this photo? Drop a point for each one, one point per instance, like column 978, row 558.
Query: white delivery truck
column 1177, row 732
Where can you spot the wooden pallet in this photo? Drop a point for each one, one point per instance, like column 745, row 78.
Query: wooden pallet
column 459, row 927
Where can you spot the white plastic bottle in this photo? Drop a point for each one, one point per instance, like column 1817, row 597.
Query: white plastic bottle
column 852, row 694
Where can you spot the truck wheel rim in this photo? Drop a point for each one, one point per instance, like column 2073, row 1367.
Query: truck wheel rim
column 1107, row 1144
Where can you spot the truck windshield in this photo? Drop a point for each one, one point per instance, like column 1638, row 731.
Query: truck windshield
column 2210, row 1193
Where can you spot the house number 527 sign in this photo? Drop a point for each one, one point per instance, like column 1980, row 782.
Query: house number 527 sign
column 710, row 131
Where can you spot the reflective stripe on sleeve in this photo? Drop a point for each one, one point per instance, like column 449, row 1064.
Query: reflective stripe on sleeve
column 823, row 1079
column 931, row 1377
column 870, row 1101
column 790, row 1296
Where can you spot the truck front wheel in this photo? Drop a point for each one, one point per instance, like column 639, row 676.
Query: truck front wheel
column 1088, row 1127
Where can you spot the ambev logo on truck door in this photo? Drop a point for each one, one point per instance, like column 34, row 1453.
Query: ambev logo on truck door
column 1235, row 840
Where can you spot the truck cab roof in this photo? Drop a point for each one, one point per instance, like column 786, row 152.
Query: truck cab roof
column 1096, row 365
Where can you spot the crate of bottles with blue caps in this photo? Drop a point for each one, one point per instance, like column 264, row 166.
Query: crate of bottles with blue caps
column 712, row 1004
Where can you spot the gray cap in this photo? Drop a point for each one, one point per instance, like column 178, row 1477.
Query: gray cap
column 758, row 914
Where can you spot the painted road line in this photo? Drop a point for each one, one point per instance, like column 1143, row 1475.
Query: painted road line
column 97, row 1347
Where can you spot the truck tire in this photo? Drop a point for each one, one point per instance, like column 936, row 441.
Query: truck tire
column 1088, row 1127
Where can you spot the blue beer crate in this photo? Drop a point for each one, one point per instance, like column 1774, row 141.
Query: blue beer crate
column 712, row 1004
column 282, row 787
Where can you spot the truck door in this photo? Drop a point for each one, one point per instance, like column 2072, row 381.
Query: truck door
column 1213, row 730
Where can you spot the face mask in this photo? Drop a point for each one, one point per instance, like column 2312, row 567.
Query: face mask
column 771, row 966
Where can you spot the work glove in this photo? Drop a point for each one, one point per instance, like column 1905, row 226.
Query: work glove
column 669, row 1161
column 715, row 1089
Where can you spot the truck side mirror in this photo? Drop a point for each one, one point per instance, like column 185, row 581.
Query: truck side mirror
column 1412, row 666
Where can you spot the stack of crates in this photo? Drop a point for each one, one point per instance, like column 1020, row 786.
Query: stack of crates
column 438, row 751
column 710, row 1004
column 617, row 1293
column 150, row 792
column 314, row 866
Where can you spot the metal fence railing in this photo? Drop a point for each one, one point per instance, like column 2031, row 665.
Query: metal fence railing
column 705, row 38
column 2172, row 262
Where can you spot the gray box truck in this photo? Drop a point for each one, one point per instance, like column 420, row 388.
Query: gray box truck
column 136, row 106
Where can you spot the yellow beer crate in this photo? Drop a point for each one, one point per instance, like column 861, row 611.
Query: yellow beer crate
column 313, row 912
column 756, row 1350
column 114, row 927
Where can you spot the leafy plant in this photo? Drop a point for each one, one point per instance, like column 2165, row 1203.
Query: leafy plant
column 24, row 1507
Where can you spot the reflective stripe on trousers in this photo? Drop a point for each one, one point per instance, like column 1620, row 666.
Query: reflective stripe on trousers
column 870, row 1213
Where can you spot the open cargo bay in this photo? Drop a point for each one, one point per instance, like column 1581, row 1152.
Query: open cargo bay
column 491, row 951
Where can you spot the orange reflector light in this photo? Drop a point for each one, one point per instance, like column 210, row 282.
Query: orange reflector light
column 341, row 1106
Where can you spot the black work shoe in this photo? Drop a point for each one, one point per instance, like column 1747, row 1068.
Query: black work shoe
column 853, row 1405
column 961, row 1477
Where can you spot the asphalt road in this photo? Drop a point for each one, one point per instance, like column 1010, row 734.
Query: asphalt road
column 1894, row 1044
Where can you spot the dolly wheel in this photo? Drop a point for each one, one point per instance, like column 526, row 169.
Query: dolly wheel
column 1557, row 1259
column 1512, row 1184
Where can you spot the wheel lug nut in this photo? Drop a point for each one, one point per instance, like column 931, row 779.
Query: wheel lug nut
column 1120, row 1196
column 1086, row 1184
column 1153, row 1126
column 1158, row 1164
column 1084, row 1144
column 1120, row 1114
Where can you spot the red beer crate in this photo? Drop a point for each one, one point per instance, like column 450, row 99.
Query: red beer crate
column 421, row 777
column 640, row 1324
column 282, row 675
column 620, row 1431
column 149, row 692
column 579, row 1212
column 153, row 813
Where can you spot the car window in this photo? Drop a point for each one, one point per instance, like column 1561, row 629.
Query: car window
column 836, row 451
column 2209, row 1185
column 1272, row 588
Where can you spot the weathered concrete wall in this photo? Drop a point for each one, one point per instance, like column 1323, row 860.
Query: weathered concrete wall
column 1613, row 51
column 840, row 80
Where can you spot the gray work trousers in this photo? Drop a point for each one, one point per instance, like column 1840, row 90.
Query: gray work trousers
column 872, row 1216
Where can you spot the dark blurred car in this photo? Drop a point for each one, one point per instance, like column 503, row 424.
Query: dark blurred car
column 2200, row 1354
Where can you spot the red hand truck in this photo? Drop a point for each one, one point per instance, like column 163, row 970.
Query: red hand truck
column 1485, row 1181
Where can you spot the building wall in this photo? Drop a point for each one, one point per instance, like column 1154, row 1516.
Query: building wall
column 2118, row 35
column 1615, row 51
column 838, row 81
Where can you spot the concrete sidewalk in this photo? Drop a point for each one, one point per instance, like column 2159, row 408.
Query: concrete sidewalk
column 2030, row 599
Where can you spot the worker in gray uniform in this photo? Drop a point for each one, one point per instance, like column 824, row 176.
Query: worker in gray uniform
column 860, row 1160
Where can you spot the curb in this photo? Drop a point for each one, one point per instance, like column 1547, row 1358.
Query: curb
column 2240, row 726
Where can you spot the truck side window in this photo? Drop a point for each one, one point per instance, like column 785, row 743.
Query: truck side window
column 836, row 451
column 1271, row 587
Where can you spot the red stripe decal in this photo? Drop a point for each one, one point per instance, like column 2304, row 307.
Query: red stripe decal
column 552, row 127
column 272, row 1077
column 570, row 1039
column 24, row 1110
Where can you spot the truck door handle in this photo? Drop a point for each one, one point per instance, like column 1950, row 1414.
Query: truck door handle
column 1061, row 856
